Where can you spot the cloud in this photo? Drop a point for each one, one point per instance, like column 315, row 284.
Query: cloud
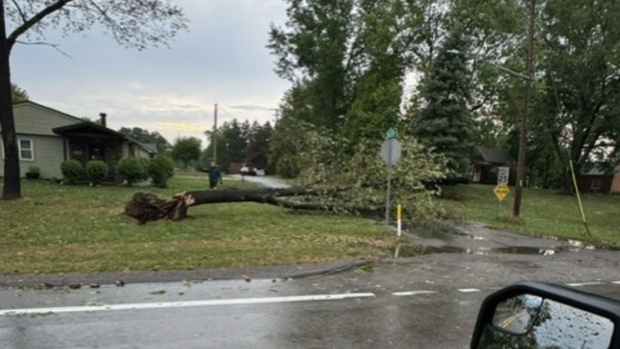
column 222, row 59
column 250, row 107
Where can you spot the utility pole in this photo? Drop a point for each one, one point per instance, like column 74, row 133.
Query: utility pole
column 214, row 138
column 277, row 115
column 516, row 208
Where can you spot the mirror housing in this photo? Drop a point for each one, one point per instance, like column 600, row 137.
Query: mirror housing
column 600, row 307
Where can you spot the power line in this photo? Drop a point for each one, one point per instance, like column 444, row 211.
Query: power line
column 227, row 113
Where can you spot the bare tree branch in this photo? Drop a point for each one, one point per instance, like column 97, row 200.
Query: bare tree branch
column 54, row 46
column 10, row 41
column 108, row 19
column 19, row 9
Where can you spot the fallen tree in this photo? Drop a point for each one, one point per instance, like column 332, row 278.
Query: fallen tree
column 147, row 207
column 329, row 181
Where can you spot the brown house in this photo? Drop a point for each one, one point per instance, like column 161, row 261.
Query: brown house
column 485, row 162
column 596, row 180
column 615, row 184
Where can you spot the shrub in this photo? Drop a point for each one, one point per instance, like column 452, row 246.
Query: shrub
column 71, row 170
column 132, row 170
column 97, row 171
column 34, row 172
column 160, row 169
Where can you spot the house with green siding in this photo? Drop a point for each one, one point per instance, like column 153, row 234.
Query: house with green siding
column 46, row 137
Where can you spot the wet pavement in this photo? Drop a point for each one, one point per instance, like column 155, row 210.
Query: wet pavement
column 428, row 301
column 268, row 182
column 480, row 239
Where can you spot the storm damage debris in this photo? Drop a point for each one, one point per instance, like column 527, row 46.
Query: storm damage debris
column 147, row 207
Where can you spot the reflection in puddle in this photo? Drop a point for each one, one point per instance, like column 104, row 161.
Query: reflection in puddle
column 520, row 250
column 403, row 251
column 433, row 230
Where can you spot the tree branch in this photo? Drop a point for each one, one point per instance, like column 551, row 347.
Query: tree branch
column 54, row 46
column 10, row 41
column 108, row 19
column 481, row 104
column 19, row 9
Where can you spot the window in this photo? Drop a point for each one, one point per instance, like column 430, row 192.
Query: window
column 596, row 184
column 26, row 150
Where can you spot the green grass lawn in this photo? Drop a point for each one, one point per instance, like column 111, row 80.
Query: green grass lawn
column 544, row 212
column 57, row 228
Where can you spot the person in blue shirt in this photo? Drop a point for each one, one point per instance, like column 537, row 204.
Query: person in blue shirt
column 215, row 176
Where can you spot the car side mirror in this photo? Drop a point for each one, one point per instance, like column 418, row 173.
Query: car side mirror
column 536, row 315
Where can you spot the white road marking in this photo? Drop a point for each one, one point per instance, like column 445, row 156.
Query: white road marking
column 412, row 293
column 584, row 284
column 203, row 303
column 468, row 290
column 616, row 282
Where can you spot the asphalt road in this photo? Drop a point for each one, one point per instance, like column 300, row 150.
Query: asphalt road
column 424, row 302
column 268, row 182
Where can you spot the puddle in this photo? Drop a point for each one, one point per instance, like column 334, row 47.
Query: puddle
column 433, row 230
column 404, row 251
column 520, row 250
column 417, row 250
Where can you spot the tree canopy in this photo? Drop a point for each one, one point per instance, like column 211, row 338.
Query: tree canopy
column 186, row 150
column 445, row 123
column 147, row 137
column 447, row 73
column 18, row 94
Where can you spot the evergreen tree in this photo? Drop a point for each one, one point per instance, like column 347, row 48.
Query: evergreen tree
column 258, row 145
column 444, row 122
column 231, row 146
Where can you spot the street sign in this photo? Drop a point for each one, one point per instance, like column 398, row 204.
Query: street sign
column 503, row 173
column 501, row 191
column 391, row 150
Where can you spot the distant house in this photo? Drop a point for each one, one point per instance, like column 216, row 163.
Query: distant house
column 615, row 184
column 485, row 162
column 596, row 180
column 46, row 137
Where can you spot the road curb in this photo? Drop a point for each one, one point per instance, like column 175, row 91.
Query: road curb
column 122, row 278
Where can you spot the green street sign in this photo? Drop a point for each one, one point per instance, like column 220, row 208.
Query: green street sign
column 391, row 133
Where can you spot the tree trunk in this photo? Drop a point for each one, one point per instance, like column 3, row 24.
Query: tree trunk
column 12, row 184
column 148, row 207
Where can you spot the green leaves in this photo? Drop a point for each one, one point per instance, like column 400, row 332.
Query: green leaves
column 582, row 79
column 18, row 94
column 358, row 182
column 446, row 123
column 186, row 149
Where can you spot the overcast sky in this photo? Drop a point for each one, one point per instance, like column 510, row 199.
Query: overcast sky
column 221, row 59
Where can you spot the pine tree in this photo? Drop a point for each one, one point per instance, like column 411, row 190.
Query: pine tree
column 444, row 122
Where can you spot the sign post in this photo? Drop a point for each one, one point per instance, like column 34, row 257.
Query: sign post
column 502, row 190
column 391, row 150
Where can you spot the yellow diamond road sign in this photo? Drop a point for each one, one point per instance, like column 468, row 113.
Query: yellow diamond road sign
column 501, row 191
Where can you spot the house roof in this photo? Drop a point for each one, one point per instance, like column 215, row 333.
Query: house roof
column 599, row 169
column 82, row 125
column 87, row 125
column 41, row 106
column 494, row 155
column 150, row 147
